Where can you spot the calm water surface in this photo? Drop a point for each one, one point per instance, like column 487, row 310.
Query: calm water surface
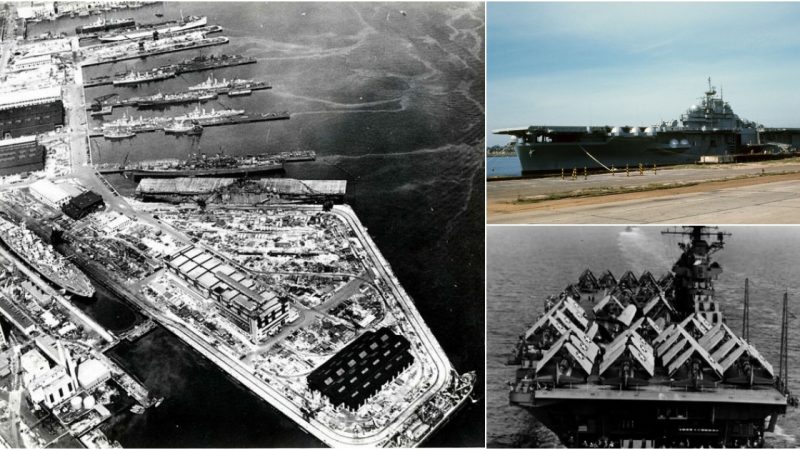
column 503, row 166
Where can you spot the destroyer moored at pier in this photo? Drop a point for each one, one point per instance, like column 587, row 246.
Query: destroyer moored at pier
column 708, row 129
column 647, row 362
column 42, row 258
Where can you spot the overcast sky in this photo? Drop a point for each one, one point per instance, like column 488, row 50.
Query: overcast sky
column 639, row 63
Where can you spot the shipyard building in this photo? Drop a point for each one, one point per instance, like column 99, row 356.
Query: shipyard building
column 21, row 154
column 362, row 368
column 31, row 111
column 251, row 307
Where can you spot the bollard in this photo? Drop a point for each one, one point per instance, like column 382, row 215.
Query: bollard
column 585, row 173
column 562, row 173
column 613, row 171
column 641, row 169
column 627, row 171
column 655, row 171
column 574, row 174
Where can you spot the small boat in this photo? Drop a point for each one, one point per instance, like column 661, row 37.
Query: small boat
column 158, row 402
column 159, row 15
column 137, row 409
column 239, row 92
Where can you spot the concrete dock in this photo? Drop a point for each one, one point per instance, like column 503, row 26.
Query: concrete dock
column 739, row 193
column 774, row 200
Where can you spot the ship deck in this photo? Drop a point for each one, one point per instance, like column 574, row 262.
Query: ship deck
column 766, row 396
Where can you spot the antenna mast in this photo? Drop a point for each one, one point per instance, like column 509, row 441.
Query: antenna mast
column 783, row 372
column 746, row 315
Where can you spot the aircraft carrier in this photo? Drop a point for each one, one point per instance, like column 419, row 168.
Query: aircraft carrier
column 708, row 129
column 643, row 362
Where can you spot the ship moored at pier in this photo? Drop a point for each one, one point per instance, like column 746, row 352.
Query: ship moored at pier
column 708, row 129
column 44, row 259
column 648, row 362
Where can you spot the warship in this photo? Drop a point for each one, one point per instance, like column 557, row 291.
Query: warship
column 643, row 362
column 43, row 259
column 186, row 23
column 105, row 25
column 708, row 129
column 218, row 165
column 135, row 78
column 214, row 85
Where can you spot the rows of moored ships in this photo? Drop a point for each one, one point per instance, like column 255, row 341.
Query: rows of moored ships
column 44, row 259
column 708, row 129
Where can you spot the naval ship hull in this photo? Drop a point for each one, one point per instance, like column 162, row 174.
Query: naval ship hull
column 81, row 288
column 662, row 417
column 137, row 174
column 552, row 157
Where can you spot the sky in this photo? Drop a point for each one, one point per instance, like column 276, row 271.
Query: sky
column 639, row 63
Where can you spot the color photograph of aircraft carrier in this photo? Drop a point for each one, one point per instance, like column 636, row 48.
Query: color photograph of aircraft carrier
column 186, row 263
column 591, row 130
column 634, row 351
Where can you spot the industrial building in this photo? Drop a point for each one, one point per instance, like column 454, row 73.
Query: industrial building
column 92, row 373
column 82, row 205
column 251, row 307
column 49, row 193
column 49, row 386
column 16, row 316
column 359, row 371
column 21, row 154
column 31, row 111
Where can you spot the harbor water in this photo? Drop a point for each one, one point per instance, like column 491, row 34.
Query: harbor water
column 391, row 102
column 528, row 263
column 503, row 166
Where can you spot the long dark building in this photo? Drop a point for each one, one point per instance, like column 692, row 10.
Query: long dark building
column 22, row 154
column 359, row 371
column 30, row 111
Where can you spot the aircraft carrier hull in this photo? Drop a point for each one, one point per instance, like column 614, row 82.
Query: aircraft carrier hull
column 138, row 174
column 668, row 420
column 551, row 157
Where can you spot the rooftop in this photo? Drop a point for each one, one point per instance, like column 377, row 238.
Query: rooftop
column 17, row 140
column 16, row 99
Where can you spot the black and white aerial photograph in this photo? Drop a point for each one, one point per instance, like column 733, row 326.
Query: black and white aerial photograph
column 242, row 224
column 642, row 336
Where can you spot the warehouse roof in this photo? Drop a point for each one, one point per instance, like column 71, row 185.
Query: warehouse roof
column 17, row 140
column 16, row 99
column 359, row 370
column 49, row 190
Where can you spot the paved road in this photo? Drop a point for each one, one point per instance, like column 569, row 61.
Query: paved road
column 774, row 203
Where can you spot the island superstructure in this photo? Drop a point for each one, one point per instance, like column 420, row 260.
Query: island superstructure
column 710, row 129
column 649, row 362
column 283, row 285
